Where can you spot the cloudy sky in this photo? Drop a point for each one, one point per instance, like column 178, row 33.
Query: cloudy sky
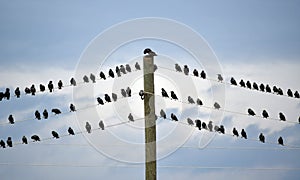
column 256, row 41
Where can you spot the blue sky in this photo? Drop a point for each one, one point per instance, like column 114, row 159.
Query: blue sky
column 255, row 40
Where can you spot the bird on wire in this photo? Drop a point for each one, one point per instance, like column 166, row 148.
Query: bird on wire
column 60, row 84
column 164, row 93
column 191, row 100
column 178, row 68
column 102, row 75
column 42, row 88
column 198, row 123
column 251, row 112
column 114, row 96
column 130, row 117
column 265, row 114
column 50, row 86
column 203, row 74
column 111, row 73
column 163, row 114
column 37, row 115
column 137, row 66
column 186, row 70
column 35, row 138
column 244, row 134
column 101, row 125
column 149, row 52
column 72, row 108
column 73, row 82
column 242, row 83
column 233, row 81
column 55, row 134
column 196, row 73
column 220, row 78
column 173, row 95
column 210, row 126
column 11, row 119
column 261, row 138
column 100, row 101
column 56, row 111
column 93, row 78
column 190, row 121
column 235, row 132
column 71, row 131
column 174, row 117
column 88, row 127
column 45, row 114
column 24, row 140
column 86, row 79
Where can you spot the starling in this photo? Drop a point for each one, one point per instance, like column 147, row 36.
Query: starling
column 32, row 90
column 178, row 68
column 71, row 131
column 102, row 75
column 128, row 91
column 191, row 100
column 122, row 69
column 262, row 87
column 11, row 119
column 190, row 121
column 255, row 86
column 248, row 84
column 7, row 94
column 60, row 84
column 204, row 126
column 88, row 127
column 56, row 111
column 50, row 86
column 35, row 138
column 164, row 93
column 100, row 101
column 37, row 115
column 261, row 138
column 118, row 71
column 24, row 140
column 221, row 129
column 251, row 112
column 186, row 70
column 149, row 52
column 235, row 132
column 198, row 124
column 220, row 78
column 114, row 97
column 137, row 66
column 268, row 89
column 130, row 117
column 243, row 133
column 280, row 92
column 296, row 94
column 85, row 79
column 45, row 114
column 275, row 89
column 9, row 142
column 289, row 93
column 107, row 98
column 203, row 74
column 163, row 114
column 265, row 114
column 199, row 102
column 280, row 141
column 2, row 144
column 195, row 73
column 210, row 126
column 101, row 125
column 72, row 108
column 93, row 78
column 111, row 73
column 73, row 82
column 232, row 81
column 55, row 134
column 128, row 68
column 42, row 88
column 27, row 90
column 123, row 92
column 281, row 116
column 173, row 117
column 142, row 94
column 173, row 95
column 217, row 105
column 242, row 83
column 17, row 92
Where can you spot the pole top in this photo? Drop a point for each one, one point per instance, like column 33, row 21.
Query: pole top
column 149, row 52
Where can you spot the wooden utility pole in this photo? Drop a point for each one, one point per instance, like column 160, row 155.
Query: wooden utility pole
column 150, row 124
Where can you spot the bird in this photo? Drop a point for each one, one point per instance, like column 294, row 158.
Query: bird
column 216, row 128
column 27, row 90
column 37, row 115
column 186, row 70
column 173, row 95
column 128, row 68
column 281, row 116
column 296, row 94
column 1, row 96
column 56, row 111
column 220, row 78
column 111, row 73
column 275, row 89
column 235, row 132
column 9, row 142
column 101, row 125
column 114, row 96
column 128, row 91
column 190, row 121
column 262, row 87
column 198, row 124
column 265, row 114
column 102, row 75
column 45, row 114
column 122, row 69
column 93, row 78
column 244, row 134
column 42, row 88
column 233, row 81
column 107, row 98
column 261, row 138
column 164, row 93
column 280, row 92
column 195, row 73
column 118, row 71
column 88, row 127
column 149, row 52
column 251, row 112
column 204, row 126
column 142, row 94
column 100, row 101
column 199, row 102
column 7, row 94
column 242, row 83
column 11, row 119
column 191, row 100
column 2, row 144
column 50, row 86
column 280, row 141
column 248, row 84
column 174, row 117
column 72, row 108
column 178, row 68
column 35, row 138
column 255, row 86
column 123, row 92
column 24, row 140
column 17, row 92
column 60, row 84
column 73, row 82
column 217, row 105
column 203, row 74
column 71, row 131
column 289, row 93
column 137, row 66
column 163, row 114
column 268, row 89
column 85, row 79
column 32, row 90
column 55, row 134
column 221, row 129
column 130, row 117
column 210, row 126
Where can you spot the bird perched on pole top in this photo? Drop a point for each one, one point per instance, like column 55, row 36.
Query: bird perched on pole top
column 149, row 52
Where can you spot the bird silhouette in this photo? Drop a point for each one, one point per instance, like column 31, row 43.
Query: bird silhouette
column 255, row 86
column 100, row 101
column 56, row 111
column 17, row 92
column 262, row 87
column 248, row 84
column 24, row 140
column 268, row 89
column 118, row 71
column 88, row 127
column 280, row 92
column 216, row 128
column 198, row 124
column 281, row 116
column 251, row 112
column 2, row 144
column 50, row 86
column 72, row 108
column 163, row 114
column 164, row 93
column 71, row 131
column 195, row 73
column 275, row 89
column 73, row 82
column 242, row 83
column 199, row 102
column 265, row 114
column 107, row 98
column 137, row 66
column 186, row 70
column 60, row 84
column 114, row 96
column 93, row 78
column 142, row 94
column 191, row 100
column 217, row 105
column 45, row 114
column 102, row 75
column 204, row 126
column 178, row 68
column 122, row 69
column 130, row 117
column 11, row 119
column 280, row 140
column 174, row 117
column 220, row 78
column 190, row 121
column 221, row 129
column 123, row 92
column 111, row 73
column 86, row 79
column 261, row 138
column 296, row 94
column 289, row 93
column 235, row 132
column 149, row 52
column 32, row 90
column 244, row 134
column 27, row 90
column 233, row 81
column 173, row 95
column 101, row 125
column 203, row 74
column 42, row 88
column 128, row 91
column 9, row 142
column 55, row 134
column 35, row 138
column 37, row 115
column 128, row 68
column 210, row 126
column 7, row 94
